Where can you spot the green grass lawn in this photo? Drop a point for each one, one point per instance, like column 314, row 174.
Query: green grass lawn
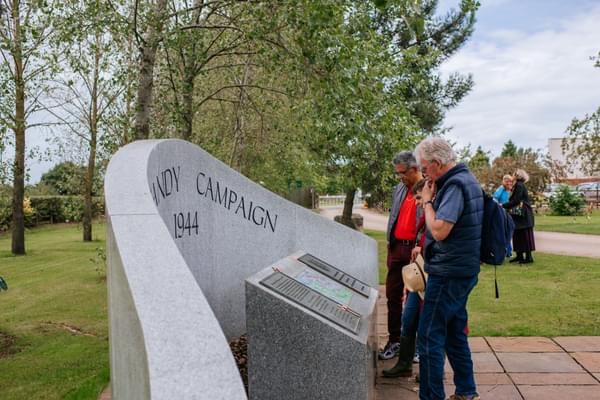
column 55, row 312
column 556, row 295
column 577, row 224
column 53, row 318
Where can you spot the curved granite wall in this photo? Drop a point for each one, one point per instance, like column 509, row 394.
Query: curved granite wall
column 184, row 232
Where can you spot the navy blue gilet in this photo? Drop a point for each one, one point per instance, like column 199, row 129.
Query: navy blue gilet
column 457, row 256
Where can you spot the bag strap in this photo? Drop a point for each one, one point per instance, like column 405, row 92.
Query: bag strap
column 496, row 283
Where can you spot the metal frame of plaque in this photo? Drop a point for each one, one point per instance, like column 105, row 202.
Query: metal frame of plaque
column 312, row 300
column 335, row 274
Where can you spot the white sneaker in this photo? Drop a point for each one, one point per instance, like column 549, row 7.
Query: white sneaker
column 390, row 351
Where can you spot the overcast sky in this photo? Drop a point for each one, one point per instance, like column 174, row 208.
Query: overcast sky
column 530, row 60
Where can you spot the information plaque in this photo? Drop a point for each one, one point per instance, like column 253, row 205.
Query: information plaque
column 335, row 274
column 313, row 300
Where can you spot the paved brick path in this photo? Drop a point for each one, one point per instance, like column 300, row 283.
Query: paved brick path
column 512, row 368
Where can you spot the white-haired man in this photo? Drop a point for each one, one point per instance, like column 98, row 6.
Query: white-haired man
column 453, row 219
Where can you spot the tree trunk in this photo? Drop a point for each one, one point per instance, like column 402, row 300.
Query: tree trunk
column 89, row 176
column 236, row 159
column 89, row 181
column 348, row 204
column 146, row 74
column 188, row 107
column 190, row 63
column 18, row 217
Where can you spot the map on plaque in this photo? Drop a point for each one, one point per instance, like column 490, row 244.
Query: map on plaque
column 313, row 299
column 325, row 286
column 321, row 288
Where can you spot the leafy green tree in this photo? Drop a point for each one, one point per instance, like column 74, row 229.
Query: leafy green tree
column 582, row 145
column 4, row 163
column 480, row 160
column 65, row 179
column 375, row 87
column 509, row 149
column 25, row 67
column 566, row 202
column 93, row 79
column 205, row 39
column 533, row 162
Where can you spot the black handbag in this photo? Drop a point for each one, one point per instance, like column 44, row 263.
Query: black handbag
column 518, row 211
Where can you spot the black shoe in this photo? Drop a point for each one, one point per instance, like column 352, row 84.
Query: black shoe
column 528, row 258
column 515, row 260
column 403, row 366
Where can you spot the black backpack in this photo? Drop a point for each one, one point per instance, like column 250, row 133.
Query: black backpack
column 496, row 233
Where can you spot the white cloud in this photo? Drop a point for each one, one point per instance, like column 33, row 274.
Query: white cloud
column 445, row 5
column 528, row 86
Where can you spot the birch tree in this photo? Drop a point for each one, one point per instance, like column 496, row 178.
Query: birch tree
column 148, row 43
column 88, row 89
column 25, row 67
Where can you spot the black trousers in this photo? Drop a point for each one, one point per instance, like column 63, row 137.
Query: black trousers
column 398, row 257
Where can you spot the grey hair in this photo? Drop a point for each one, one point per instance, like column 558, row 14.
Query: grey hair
column 406, row 158
column 435, row 148
column 521, row 174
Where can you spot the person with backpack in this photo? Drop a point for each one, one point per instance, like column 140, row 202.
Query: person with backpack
column 452, row 260
column 519, row 208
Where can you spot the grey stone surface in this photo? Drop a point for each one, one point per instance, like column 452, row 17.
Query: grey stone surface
column 176, row 292
column 295, row 353
column 229, row 247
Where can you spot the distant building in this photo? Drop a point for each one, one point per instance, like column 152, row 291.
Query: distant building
column 574, row 171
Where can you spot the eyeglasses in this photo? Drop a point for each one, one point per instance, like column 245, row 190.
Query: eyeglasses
column 424, row 168
column 401, row 173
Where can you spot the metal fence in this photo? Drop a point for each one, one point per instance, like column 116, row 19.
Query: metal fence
column 592, row 196
column 336, row 200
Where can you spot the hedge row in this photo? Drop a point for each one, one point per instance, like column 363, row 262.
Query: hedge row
column 49, row 210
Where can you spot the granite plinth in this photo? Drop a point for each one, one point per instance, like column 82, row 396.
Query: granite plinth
column 295, row 353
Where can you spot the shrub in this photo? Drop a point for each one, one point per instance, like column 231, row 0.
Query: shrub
column 566, row 202
column 49, row 209
column 28, row 212
column 5, row 213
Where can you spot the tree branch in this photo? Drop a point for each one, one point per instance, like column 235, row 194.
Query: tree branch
column 209, row 97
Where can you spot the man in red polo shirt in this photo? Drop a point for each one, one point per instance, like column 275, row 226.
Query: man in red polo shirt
column 401, row 235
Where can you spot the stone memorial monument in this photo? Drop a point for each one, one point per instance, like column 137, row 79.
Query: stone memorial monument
column 184, row 231
column 311, row 332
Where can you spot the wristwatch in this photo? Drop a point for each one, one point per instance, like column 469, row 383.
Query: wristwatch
column 429, row 202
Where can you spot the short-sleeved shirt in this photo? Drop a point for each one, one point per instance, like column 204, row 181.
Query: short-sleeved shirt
column 406, row 224
column 451, row 205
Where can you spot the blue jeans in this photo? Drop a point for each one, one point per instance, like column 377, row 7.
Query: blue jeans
column 442, row 329
column 410, row 315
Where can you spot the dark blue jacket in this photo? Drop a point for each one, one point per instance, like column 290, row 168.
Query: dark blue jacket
column 457, row 256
